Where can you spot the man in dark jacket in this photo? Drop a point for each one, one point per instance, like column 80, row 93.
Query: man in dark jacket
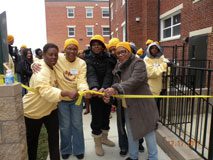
column 99, row 77
column 141, row 115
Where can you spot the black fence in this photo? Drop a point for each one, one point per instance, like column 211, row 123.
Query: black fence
column 189, row 118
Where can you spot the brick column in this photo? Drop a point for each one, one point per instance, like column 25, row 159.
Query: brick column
column 13, row 144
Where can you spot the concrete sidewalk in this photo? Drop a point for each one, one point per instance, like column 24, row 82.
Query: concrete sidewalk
column 111, row 153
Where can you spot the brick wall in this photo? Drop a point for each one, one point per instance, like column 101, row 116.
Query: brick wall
column 138, row 32
column 12, row 127
column 57, row 21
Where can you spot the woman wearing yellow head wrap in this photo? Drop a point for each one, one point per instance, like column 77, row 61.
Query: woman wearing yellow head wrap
column 71, row 75
column 99, row 77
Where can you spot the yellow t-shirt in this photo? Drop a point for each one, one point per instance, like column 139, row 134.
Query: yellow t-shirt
column 71, row 75
column 42, row 102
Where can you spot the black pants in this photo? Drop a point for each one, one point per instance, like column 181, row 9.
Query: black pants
column 122, row 136
column 100, row 115
column 33, row 128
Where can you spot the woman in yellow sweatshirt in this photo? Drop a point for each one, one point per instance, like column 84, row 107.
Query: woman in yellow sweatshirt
column 40, row 107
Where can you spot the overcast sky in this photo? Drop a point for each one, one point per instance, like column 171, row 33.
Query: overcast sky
column 26, row 21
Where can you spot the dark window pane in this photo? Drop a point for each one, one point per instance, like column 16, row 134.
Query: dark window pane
column 71, row 31
column 176, row 19
column 167, row 22
column 176, row 30
column 70, row 12
column 105, row 13
column 106, row 31
column 167, row 33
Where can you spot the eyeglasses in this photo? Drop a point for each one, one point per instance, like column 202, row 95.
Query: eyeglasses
column 121, row 53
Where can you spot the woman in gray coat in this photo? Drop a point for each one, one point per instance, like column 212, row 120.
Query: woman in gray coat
column 141, row 115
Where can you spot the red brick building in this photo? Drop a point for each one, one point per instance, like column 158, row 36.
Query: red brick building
column 172, row 23
column 80, row 19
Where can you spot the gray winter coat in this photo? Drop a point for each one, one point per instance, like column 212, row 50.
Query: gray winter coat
column 131, row 78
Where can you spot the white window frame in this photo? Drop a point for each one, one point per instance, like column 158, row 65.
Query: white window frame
column 123, row 2
column 123, row 25
column 89, row 26
column 89, row 8
column 68, row 27
column 111, row 11
column 102, row 10
column 195, row 1
column 112, row 34
column 73, row 8
column 104, row 35
column 172, row 37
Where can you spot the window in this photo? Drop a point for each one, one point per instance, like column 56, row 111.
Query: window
column 105, row 12
column 89, row 12
column 105, row 31
column 123, row 25
column 90, row 31
column 70, row 12
column 170, row 27
column 71, row 31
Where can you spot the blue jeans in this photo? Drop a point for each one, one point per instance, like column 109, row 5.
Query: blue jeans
column 71, row 128
column 133, row 144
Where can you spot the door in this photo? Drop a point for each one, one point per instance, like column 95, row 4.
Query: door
column 198, row 57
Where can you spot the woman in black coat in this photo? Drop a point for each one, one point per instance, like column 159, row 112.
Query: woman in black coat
column 26, row 71
column 99, row 77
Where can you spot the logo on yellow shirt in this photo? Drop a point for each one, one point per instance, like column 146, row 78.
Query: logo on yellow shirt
column 68, row 76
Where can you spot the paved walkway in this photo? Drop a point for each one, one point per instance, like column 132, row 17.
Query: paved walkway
column 111, row 153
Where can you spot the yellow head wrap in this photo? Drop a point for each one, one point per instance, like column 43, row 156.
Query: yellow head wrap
column 125, row 45
column 71, row 41
column 98, row 37
column 107, row 45
column 149, row 41
column 23, row 46
column 10, row 38
column 113, row 42
column 140, row 52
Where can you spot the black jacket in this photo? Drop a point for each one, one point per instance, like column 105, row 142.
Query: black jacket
column 26, row 71
column 99, row 70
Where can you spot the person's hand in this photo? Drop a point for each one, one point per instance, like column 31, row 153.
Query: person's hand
column 87, row 96
column 70, row 94
column 73, row 94
column 35, row 67
column 110, row 91
column 100, row 90
column 94, row 89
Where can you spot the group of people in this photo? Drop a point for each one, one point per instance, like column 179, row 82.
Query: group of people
column 22, row 60
column 116, row 69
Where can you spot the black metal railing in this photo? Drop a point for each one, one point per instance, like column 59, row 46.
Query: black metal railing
column 189, row 118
